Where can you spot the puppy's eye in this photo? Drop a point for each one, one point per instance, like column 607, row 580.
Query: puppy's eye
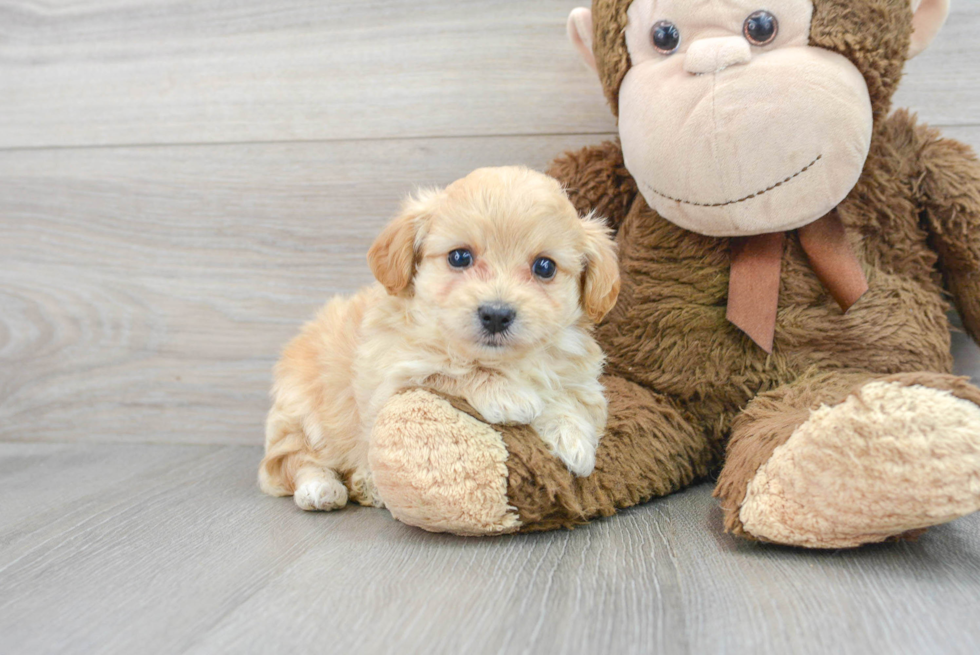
column 544, row 268
column 761, row 28
column 460, row 258
column 666, row 37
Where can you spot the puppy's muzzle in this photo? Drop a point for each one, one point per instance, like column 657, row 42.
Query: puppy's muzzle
column 496, row 318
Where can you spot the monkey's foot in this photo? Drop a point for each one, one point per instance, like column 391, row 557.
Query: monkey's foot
column 896, row 456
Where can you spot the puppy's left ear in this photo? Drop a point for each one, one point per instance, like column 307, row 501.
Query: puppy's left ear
column 392, row 256
column 600, row 280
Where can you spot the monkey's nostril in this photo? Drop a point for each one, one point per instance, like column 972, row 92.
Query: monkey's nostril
column 496, row 317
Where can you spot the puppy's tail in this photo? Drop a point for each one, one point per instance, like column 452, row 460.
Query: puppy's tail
column 285, row 453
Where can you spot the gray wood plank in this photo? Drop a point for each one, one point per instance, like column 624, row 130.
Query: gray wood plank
column 145, row 292
column 890, row 598
column 967, row 134
column 943, row 83
column 157, row 71
column 48, row 489
column 190, row 557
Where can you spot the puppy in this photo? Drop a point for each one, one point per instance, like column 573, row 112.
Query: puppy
column 488, row 290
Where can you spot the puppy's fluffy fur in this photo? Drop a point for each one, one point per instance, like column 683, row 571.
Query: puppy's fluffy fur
column 421, row 326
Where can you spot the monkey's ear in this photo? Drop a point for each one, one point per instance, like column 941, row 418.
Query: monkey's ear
column 392, row 256
column 580, row 32
column 600, row 281
column 929, row 17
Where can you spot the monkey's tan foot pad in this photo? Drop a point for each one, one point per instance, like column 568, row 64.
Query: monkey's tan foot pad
column 891, row 459
column 440, row 469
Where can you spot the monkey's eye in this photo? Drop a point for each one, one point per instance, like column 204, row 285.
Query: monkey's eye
column 666, row 37
column 761, row 28
column 544, row 268
column 460, row 258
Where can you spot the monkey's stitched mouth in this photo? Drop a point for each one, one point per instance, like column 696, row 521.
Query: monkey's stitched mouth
column 735, row 202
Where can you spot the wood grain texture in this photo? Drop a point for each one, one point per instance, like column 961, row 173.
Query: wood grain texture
column 943, row 83
column 212, row 71
column 181, row 185
column 167, row 549
column 146, row 292
column 158, row 71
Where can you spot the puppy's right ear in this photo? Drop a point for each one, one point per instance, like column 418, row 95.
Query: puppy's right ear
column 392, row 256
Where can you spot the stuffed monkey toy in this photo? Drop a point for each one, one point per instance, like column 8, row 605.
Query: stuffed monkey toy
column 787, row 248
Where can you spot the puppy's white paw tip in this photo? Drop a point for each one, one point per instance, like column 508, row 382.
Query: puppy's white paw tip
column 492, row 415
column 580, row 459
column 323, row 495
column 574, row 444
column 582, row 467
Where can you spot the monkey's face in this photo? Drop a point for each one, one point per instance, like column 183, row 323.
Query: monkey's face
column 731, row 123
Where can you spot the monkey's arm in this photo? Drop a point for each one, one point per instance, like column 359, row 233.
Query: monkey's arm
column 949, row 190
column 596, row 179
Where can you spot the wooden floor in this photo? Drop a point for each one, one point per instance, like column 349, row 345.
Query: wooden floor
column 171, row 549
column 181, row 185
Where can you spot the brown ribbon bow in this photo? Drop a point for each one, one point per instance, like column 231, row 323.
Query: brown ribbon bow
column 753, row 288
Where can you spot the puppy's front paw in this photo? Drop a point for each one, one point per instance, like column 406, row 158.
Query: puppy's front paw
column 509, row 406
column 573, row 442
column 322, row 494
column 578, row 457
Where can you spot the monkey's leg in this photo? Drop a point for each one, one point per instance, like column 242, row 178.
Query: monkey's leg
column 439, row 468
column 843, row 459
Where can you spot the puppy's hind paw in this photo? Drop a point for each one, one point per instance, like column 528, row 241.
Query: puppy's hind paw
column 322, row 494
column 363, row 491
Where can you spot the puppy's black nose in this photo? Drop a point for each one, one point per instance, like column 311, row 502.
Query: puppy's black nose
column 496, row 317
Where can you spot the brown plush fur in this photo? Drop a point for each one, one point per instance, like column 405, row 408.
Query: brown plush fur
column 651, row 434
column 672, row 305
column 603, row 183
column 913, row 219
column 611, row 57
column 682, row 382
column 547, row 496
column 841, row 26
column 767, row 423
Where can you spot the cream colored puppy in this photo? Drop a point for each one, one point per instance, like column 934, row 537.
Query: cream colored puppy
column 488, row 291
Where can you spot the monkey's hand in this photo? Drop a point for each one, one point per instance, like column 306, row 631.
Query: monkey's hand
column 596, row 179
column 949, row 193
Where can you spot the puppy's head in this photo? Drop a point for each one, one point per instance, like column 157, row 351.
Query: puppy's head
column 498, row 262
